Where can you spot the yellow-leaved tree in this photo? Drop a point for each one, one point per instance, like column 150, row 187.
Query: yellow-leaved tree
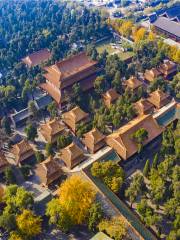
column 140, row 35
column 126, row 28
column 151, row 36
column 29, row 224
column 76, row 197
column 115, row 227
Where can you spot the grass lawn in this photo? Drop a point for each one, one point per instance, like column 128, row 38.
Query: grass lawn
column 106, row 46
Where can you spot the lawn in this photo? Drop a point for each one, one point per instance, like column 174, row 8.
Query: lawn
column 111, row 50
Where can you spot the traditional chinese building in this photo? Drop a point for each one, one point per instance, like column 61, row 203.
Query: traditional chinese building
column 94, row 140
column 121, row 140
column 37, row 58
column 143, row 106
column 62, row 75
column 72, row 155
column 23, row 152
column 110, row 97
column 168, row 69
column 51, row 130
column 159, row 99
column 152, row 74
column 48, row 171
column 133, row 84
column 74, row 117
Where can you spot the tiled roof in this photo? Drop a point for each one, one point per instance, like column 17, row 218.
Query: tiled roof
column 37, row 57
column 53, row 127
column 172, row 12
column 50, row 165
column 143, row 105
column 95, row 135
column 158, row 96
column 121, row 140
column 111, row 94
column 77, row 114
column 21, row 115
column 133, row 82
column 168, row 25
column 51, row 91
column 21, row 147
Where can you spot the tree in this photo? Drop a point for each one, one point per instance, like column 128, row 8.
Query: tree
column 14, row 235
column 8, row 221
column 52, row 109
column 77, row 93
column 100, row 84
column 6, row 125
column 126, row 28
column 29, row 224
column 33, row 109
column 9, row 175
column 115, row 227
column 31, row 132
column 76, row 201
column 151, row 36
column 58, row 215
column 95, row 216
column 136, row 188
column 139, row 137
column 170, row 207
column 146, row 168
column 63, row 141
column 139, row 35
column 110, row 173
column 155, row 161
column 117, row 83
column 49, row 149
column 39, row 156
column 157, row 184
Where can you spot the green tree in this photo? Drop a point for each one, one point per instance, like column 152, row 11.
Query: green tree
column 110, row 173
column 58, row 215
column 9, row 176
column 52, row 109
column 49, row 149
column 33, row 109
column 139, row 137
column 146, row 168
column 31, row 132
column 170, row 207
column 155, row 161
column 117, row 83
column 8, row 221
column 95, row 216
column 100, row 84
column 63, row 141
column 6, row 125
column 39, row 156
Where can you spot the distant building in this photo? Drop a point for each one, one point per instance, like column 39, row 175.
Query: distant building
column 94, row 140
column 101, row 236
column 143, row 106
column 51, row 130
column 23, row 152
column 133, row 84
column 48, row 171
column 110, row 97
column 74, row 117
column 61, row 76
column 72, row 155
column 168, row 23
column 168, row 69
column 159, row 99
column 37, row 58
column 152, row 74
column 121, row 140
